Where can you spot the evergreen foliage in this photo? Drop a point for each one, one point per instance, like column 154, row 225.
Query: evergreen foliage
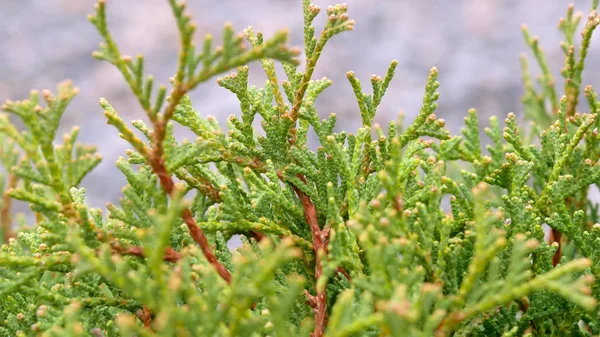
column 353, row 239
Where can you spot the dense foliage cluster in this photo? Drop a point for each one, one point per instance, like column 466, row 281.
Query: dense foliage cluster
column 403, row 230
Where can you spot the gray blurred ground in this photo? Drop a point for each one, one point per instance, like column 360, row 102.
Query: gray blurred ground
column 474, row 43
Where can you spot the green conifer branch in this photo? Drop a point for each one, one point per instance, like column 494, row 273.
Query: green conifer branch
column 353, row 239
column 547, row 80
column 337, row 22
column 230, row 55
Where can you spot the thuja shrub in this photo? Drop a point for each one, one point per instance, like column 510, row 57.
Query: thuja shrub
column 356, row 238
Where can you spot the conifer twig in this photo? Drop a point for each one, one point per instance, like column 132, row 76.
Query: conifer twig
column 556, row 236
column 171, row 255
column 186, row 78
column 157, row 162
column 337, row 22
column 145, row 316
column 5, row 212
column 319, row 302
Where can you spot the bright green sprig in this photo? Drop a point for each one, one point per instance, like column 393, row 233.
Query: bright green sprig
column 547, row 80
column 368, row 104
column 337, row 22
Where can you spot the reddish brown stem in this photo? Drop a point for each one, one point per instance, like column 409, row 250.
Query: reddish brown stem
column 199, row 237
column 318, row 302
column 158, row 166
column 157, row 162
column 258, row 236
column 311, row 300
column 5, row 213
column 345, row 273
column 171, row 255
column 145, row 316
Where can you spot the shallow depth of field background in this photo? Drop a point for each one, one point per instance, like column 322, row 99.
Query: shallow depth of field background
column 474, row 43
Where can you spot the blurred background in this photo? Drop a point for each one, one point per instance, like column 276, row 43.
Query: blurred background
column 474, row 43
